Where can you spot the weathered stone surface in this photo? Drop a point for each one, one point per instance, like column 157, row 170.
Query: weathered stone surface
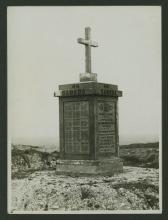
column 84, row 77
column 76, row 127
column 88, row 127
column 89, row 88
column 89, row 167
column 105, row 124
column 88, row 85
column 88, row 44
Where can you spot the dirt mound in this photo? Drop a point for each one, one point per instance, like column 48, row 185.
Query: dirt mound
column 26, row 161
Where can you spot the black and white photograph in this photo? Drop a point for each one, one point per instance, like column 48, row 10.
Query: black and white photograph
column 84, row 109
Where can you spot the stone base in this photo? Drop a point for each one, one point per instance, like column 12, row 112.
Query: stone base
column 86, row 77
column 89, row 167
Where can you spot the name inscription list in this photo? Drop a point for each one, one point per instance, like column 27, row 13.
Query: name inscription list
column 76, row 127
column 106, row 126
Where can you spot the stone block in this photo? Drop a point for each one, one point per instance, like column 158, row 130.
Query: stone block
column 89, row 167
column 84, row 77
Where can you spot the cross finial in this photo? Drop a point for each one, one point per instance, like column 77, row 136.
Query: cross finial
column 88, row 44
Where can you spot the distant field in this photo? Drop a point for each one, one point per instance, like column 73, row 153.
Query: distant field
column 142, row 155
column 141, row 145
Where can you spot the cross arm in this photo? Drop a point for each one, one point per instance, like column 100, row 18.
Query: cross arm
column 87, row 42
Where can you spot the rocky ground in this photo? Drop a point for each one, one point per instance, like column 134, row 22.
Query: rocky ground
column 135, row 189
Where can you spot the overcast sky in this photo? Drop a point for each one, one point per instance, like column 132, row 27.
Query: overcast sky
column 43, row 52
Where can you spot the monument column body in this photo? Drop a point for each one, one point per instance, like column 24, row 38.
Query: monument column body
column 89, row 137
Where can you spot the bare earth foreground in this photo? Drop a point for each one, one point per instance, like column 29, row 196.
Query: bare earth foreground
column 135, row 189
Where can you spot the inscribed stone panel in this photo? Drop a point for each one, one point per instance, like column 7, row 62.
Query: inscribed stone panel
column 106, row 126
column 76, row 127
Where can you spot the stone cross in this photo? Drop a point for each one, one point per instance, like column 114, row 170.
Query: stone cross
column 88, row 44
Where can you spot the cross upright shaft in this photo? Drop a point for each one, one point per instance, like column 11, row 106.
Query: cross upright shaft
column 88, row 66
column 88, row 44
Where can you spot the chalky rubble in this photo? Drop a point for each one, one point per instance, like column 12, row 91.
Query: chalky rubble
column 134, row 189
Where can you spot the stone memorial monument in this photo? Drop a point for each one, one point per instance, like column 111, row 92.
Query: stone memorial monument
column 88, row 118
